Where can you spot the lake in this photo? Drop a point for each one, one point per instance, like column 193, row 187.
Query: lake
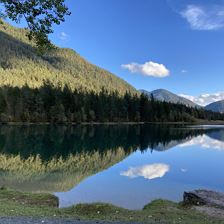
column 126, row 165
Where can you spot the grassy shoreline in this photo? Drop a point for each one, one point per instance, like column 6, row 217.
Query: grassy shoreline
column 19, row 204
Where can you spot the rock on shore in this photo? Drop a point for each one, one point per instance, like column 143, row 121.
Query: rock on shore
column 204, row 197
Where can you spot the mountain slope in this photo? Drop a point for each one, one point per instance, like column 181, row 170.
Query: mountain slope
column 167, row 96
column 216, row 106
column 20, row 65
column 62, row 87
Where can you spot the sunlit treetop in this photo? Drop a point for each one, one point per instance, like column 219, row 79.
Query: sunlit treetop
column 40, row 15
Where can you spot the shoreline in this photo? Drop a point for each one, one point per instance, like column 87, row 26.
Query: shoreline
column 40, row 206
column 113, row 123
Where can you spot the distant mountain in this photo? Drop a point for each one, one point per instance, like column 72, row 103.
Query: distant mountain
column 167, row 96
column 216, row 106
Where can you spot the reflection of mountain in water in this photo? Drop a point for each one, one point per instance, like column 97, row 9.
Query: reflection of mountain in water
column 170, row 145
column 56, row 158
column 217, row 134
column 214, row 139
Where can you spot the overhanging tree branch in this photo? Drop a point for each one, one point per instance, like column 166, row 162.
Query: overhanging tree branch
column 40, row 15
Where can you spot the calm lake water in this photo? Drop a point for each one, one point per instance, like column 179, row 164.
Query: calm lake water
column 126, row 165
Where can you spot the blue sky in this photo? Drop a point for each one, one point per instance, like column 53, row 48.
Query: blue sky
column 173, row 44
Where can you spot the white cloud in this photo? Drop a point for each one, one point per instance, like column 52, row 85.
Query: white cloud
column 149, row 69
column 183, row 71
column 205, row 99
column 153, row 171
column 205, row 142
column 64, row 36
column 210, row 17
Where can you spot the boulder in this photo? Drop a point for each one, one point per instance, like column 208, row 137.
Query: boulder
column 204, row 197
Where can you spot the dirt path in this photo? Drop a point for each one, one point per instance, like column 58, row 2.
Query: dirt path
column 20, row 220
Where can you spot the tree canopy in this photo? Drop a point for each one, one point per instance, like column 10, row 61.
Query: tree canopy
column 40, row 16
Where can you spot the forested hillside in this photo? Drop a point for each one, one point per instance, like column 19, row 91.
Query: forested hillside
column 60, row 86
column 21, row 65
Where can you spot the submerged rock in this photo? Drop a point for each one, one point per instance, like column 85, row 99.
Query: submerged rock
column 204, row 197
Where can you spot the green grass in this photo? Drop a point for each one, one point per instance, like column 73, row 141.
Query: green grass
column 28, row 199
column 45, row 205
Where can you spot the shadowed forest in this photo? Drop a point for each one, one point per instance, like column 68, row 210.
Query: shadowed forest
column 61, row 105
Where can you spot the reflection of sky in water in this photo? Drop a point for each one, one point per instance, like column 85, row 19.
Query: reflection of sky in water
column 143, row 177
column 147, row 171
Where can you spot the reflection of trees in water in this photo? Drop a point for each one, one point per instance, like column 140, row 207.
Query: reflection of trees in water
column 55, row 141
column 61, row 174
column 56, row 158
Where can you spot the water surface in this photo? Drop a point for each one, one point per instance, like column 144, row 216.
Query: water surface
column 126, row 165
